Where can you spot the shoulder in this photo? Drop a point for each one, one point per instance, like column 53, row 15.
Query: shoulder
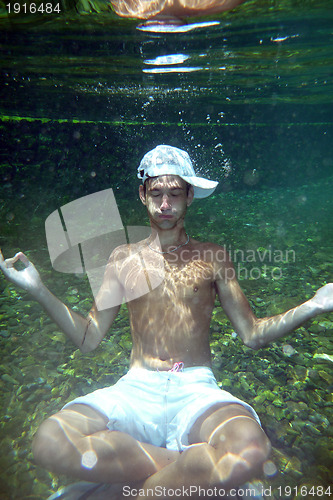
column 125, row 256
column 127, row 250
column 211, row 252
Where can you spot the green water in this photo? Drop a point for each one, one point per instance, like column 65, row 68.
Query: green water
column 83, row 97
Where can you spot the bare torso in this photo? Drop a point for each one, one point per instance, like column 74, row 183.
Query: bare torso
column 169, row 323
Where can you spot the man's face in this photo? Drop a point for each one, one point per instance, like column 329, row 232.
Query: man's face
column 166, row 199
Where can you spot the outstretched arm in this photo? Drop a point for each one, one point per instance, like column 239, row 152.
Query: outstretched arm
column 86, row 333
column 257, row 332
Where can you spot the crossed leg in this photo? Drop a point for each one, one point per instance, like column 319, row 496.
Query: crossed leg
column 77, row 442
column 227, row 448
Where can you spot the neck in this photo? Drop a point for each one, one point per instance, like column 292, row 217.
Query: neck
column 169, row 238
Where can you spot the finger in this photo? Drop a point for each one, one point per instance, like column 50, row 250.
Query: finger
column 23, row 258
column 11, row 261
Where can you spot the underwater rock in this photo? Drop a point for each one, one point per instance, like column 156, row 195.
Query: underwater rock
column 245, row 386
column 71, row 299
column 329, row 398
column 323, row 453
column 260, row 399
column 288, row 464
column 322, row 357
column 226, row 384
column 301, row 359
column 126, row 344
column 316, row 328
column 301, row 426
column 326, row 324
column 326, row 376
column 278, row 402
column 319, row 419
column 269, row 395
column 288, row 350
column 313, row 375
column 319, row 397
column 8, row 378
column 279, row 413
column 310, row 427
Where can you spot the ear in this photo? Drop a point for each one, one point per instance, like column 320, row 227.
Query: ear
column 190, row 196
column 142, row 194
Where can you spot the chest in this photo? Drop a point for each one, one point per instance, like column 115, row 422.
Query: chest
column 190, row 280
column 156, row 277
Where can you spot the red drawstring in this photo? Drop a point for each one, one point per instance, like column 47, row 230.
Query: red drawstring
column 177, row 367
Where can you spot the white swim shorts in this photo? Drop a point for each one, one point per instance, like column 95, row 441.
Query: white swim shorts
column 159, row 407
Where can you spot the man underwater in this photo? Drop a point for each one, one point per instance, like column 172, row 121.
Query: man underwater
column 166, row 423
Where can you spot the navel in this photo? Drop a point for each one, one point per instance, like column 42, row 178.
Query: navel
column 195, row 288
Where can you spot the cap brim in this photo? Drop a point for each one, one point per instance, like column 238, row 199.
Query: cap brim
column 202, row 187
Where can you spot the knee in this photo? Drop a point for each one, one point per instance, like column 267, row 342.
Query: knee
column 227, row 461
column 257, row 446
column 243, row 437
column 49, row 445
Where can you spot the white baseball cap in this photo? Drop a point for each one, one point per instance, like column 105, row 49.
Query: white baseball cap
column 168, row 160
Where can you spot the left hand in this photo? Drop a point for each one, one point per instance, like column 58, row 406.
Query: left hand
column 324, row 298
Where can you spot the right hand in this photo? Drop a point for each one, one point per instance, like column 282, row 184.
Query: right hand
column 28, row 278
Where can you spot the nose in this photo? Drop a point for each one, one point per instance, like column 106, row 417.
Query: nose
column 165, row 205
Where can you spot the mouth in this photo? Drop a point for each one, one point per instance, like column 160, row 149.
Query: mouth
column 162, row 216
